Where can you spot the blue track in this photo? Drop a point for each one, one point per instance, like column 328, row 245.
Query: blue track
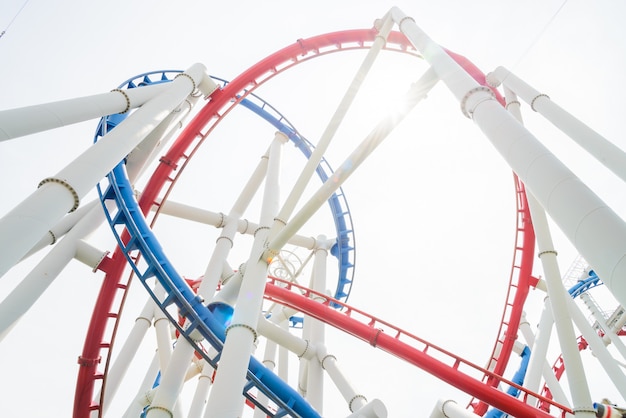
column 143, row 245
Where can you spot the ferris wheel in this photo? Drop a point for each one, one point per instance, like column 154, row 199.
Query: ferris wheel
column 240, row 298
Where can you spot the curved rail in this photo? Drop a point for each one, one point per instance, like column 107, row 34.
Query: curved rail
column 417, row 351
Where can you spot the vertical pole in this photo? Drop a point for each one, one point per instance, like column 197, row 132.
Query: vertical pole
column 579, row 389
column 225, row 399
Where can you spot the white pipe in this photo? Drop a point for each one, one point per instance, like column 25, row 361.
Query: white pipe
column 330, row 130
column 538, row 365
column 225, row 397
column 205, row 380
column 216, row 219
column 355, row 400
column 450, row 409
column 62, row 227
column 38, row 118
column 144, row 393
column 230, row 224
column 127, row 352
column 89, row 255
column 595, row 144
column 599, row 350
column 315, row 383
column 609, row 334
column 28, row 291
column 172, row 379
column 579, row 388
column 24, row 226
column 373, row 409
column 416, row 93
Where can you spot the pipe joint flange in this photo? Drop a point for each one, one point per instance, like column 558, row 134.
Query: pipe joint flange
column 532, row 103
column 160, row 408
column 232, row 244
column 246, row 326
column 123, row 93
column 481, row 89
column 443, row 407
column 354, row 398
column 306, row 348
column 492, row 80
column 193, row 82
column 260, row 228
column 512, row 102
column 327, row 356
column 547, row 252
column 67, row 186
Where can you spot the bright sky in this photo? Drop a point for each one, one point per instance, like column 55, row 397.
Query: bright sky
column 433, row 208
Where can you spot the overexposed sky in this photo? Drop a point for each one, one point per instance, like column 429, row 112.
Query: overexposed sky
column 433, row 208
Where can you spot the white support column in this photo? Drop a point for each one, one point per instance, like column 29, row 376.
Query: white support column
column 580, row 214
column 315, row 383
column 450, row 409
column 355, row 400
column 230, row 224
column 581, row 396
column 23, row 121
column 320, row 149
column 24, row 226
column 205, row 380
column 172, row 379
column 416, row 93
column 225, row 399
column 127, row 353
column 599, row 350
column 28, row 291
column 609, row 334
column 538, row 365
column 595, row 144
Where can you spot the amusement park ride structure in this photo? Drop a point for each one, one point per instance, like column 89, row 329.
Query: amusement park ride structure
column 224, row 335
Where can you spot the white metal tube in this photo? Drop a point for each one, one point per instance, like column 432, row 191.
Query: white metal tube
column 373, row 409
column 62, row 227
column 416, row 93
column 216, row 219
column 28, row 291
column 225, row 397
column 24, row 226
column 144, row 394
column 599, row 350
column 450, row 409
column 595, row 144
column 162, row 330
column 230, row 226
column 172, row 380
column 28, row 120
column 127, row 352
column 334, row 123
column 205, row 380
column 581, row 396
column 355, row 400
column 609, row 334
column 315, row 383
column 538, row 364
